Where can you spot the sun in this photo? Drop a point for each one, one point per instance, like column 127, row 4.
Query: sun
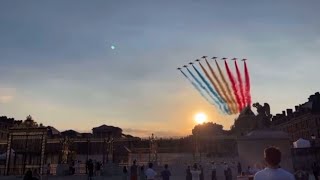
column 200, row 118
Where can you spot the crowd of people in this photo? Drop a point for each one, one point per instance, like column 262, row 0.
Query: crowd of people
column 137, row 173
column 271, row 171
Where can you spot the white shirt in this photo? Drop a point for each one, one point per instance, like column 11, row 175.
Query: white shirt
column 195, row 174
column 273, row 174
column 150, row 173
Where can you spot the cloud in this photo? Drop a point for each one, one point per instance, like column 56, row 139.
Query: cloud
column 7, row 95
column 5, row 99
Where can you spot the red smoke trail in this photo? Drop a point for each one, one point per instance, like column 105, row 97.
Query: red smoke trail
column 247, row 81
column 243, row 98
column 234, row 87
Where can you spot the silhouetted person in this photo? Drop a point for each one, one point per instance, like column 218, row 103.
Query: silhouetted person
column 142, row 173
column 124, row 173
column 98, row 168
column 201, row 173
column 315, row 170
column 28, row 175
column 90, row 169
column 225, row 171
column 195, row 172
column 301, row 174
column 213, row 171
column 165, row 174
column 239, row 168
column 134, row 171
column 35, row 175
column 273, row 171
column 229, row 174
column 150, row 173
column 188, row 174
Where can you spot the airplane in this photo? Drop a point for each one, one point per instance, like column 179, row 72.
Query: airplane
column 243, row 59
column 191, row 63
column 185, row 66
column 234, row 59
column 214, row 58
column 204, row 57
column 197, row 60
column 178, row 68
column 224, row 58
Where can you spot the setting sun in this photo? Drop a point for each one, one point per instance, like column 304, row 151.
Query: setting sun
column 200, row 118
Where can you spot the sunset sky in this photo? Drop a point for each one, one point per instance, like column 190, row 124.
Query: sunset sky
column 57, row 64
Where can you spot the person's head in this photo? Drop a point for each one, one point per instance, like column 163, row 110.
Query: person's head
column 134, row 162
column 195, row 166
column 28, row 173
column 272, row 155
column 150, row 165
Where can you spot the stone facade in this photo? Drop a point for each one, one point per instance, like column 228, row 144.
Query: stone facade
column 303, row 122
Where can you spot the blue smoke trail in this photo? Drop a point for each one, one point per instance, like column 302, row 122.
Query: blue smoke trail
column 197, row 88
column 220, row 102
column 205, row 89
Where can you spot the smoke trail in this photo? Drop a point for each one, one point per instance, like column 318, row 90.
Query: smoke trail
column 201, row 86
column 218, row 101
column 243, row 98
column 247, row 81
column 233, row 84
column 196, row 87
column 229, row 93
column 222, row 89
column 216, row 88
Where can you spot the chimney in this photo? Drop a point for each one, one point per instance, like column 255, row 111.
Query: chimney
column 289, row 112
column 296, row 108
column 284, row 113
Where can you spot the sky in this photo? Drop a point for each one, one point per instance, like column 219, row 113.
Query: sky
column 57, row 64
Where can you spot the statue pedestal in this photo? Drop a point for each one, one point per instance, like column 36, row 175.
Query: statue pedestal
column 251, row 148
column 62, row 169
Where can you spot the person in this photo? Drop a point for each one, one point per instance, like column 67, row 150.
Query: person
column 239, row 168
column 272, row 156
column 142, row 174
column 134, row 171
column 229, row 173
column 315, row 170
column 213, row 171
column 249, row 171
column 188, row 174
column 28, row 175
column 165, row 174
column 36, row 175
column 150, row 173
column 98, row 168
column 90, row 169
column 195, row 172
column 125, row 173
column 225, row 170
column 201, row 174
column 301, row 174
column 48, row 169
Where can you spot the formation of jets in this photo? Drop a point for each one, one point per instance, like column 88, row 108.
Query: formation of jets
column 214, row 58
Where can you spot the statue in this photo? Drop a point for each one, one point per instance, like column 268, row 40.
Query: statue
column 263, row 116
